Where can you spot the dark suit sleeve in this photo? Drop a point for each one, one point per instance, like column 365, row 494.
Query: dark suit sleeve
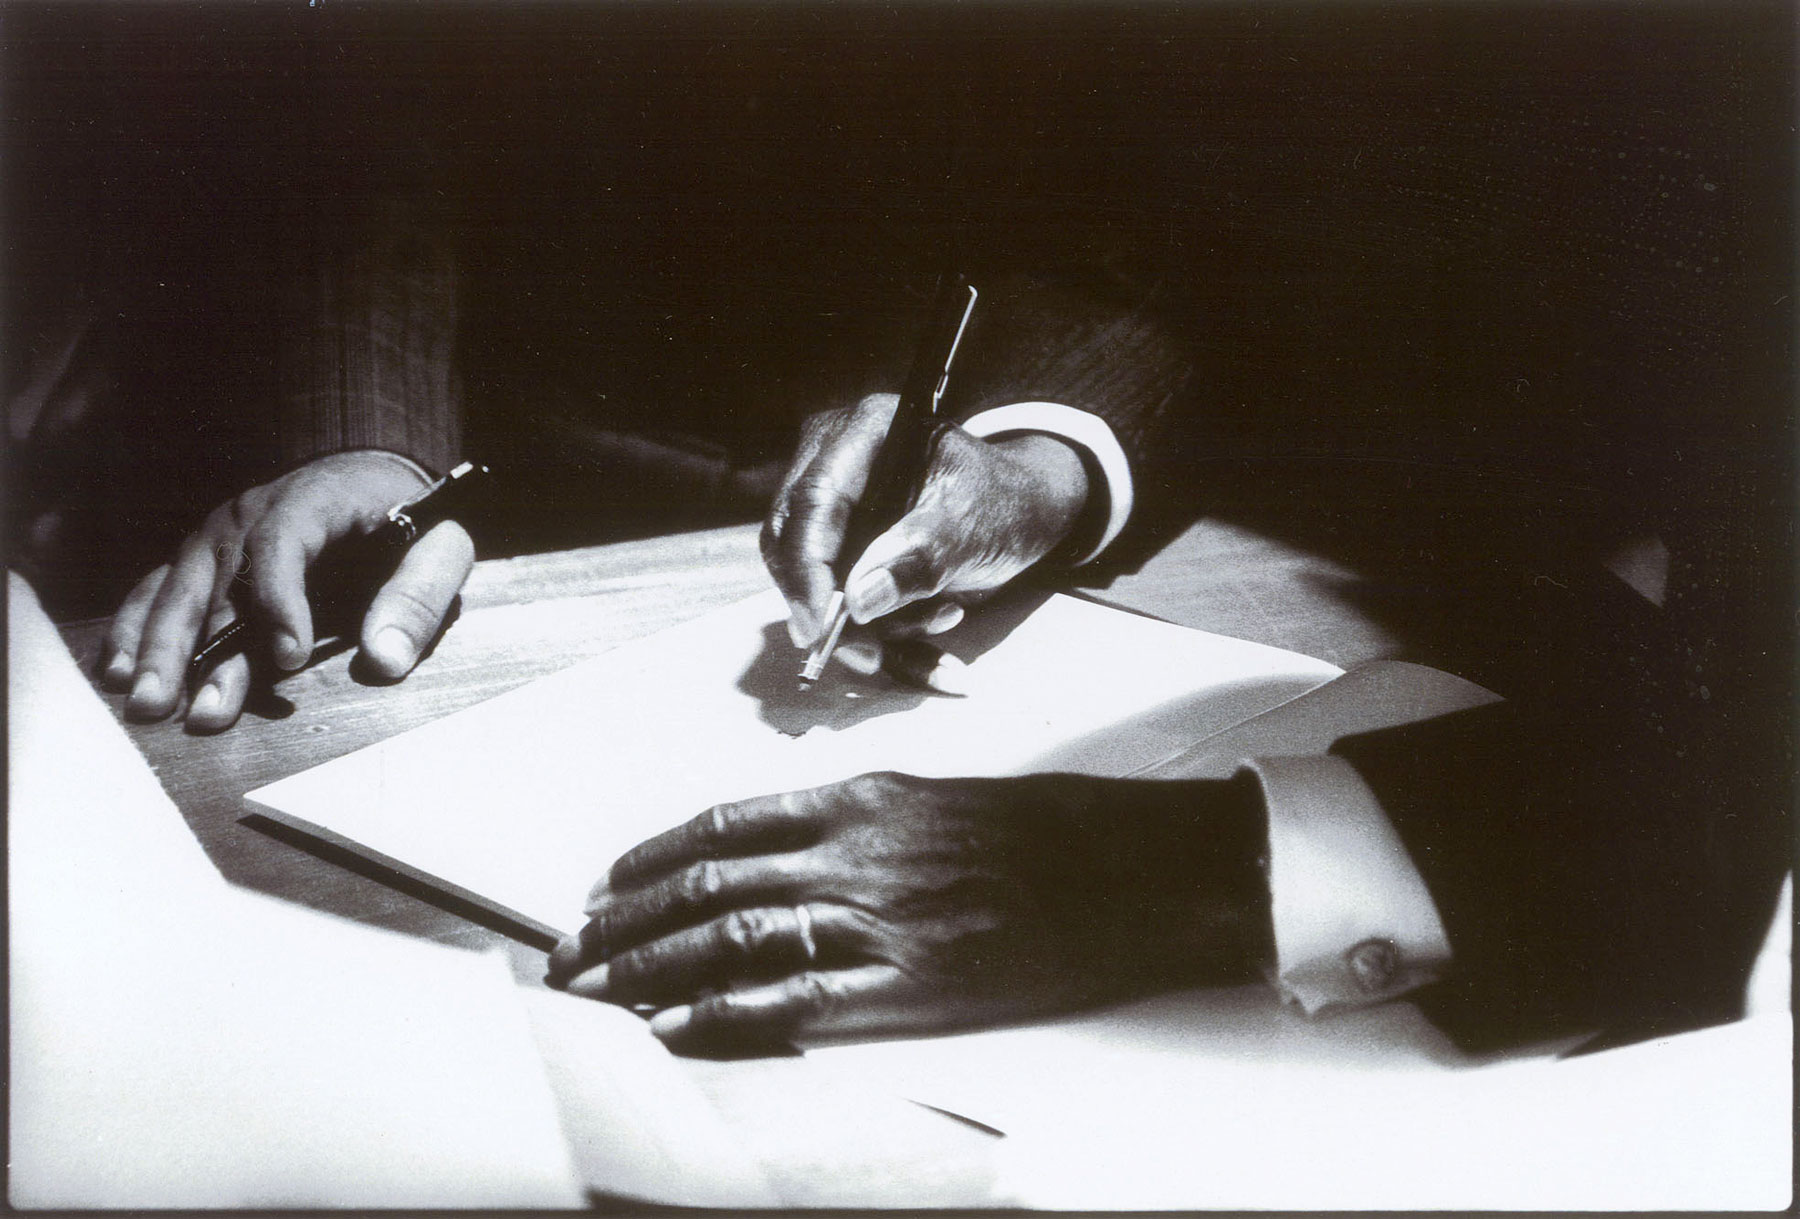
column 367, row 349
column 1094, row 340
column 1604, row 848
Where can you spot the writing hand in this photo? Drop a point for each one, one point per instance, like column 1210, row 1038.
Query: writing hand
column 987, row 511
column 929, row 905
column 261, row 544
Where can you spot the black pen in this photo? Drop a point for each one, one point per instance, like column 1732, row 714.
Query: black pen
column 898, row 471
column 358, row 565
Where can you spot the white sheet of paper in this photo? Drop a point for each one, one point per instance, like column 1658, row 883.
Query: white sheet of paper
column 67, row 752
column 638, row 1127
column 276, row 1058
column 1701, row 1122
column 1015, row 1079
column 1225, row 1099
column 527, row 799
column 175, row 1042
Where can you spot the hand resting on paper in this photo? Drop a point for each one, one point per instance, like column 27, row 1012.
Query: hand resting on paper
column 251, row 555
column 987, row 512
column 888, row 905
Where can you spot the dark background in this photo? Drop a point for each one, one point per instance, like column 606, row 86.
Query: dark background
column 1458, row 233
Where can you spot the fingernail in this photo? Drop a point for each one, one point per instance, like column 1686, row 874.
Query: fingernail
column 118, row 669
column 949, row 676
column 207, row 702
column 863, row 658
column 148, row 689
column 671, row 1022
column 943, row 618
column 589, row 985
column 803, row 628
column 561, row 958
column 873, row 594
column 392, row 650
column 288, row 652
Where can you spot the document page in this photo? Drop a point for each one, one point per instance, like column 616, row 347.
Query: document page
column 174, row 1042
column 523, row 802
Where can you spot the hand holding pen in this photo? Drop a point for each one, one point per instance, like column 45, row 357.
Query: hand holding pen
column 977, row 514
column 264, row 555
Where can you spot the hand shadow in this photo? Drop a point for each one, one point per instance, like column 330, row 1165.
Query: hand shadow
column 264, row 701
column 842, row 699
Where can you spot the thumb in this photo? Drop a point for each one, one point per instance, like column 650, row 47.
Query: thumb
column 411, row 607
column 907, row 563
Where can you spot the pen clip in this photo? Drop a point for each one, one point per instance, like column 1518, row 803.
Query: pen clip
column 943, row 381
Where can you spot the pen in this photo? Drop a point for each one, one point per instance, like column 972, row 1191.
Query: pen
column 898, row 471
column 358, row 565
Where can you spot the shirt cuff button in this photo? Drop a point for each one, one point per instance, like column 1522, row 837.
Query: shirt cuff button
column 1374, row 963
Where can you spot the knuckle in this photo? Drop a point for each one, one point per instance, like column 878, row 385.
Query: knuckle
column 875, row 408
column 625, row 968
column 717, row 823
column 699, row 885
column 249, row 507
column 222, row 521
column 192, row 547
column 625, row 868
column 822, row 994
column 744, row 932
column 410, row 612
column 712, row 880
column 816, row 494
column 632, row 967
column 233, row 560
column 265, row 534
column 597, row 933
column 927, row 564
column 957, row 457
column 820, row 426
column 769, row 540
column 715, row 1012
column 795, row 805
column 876, row 790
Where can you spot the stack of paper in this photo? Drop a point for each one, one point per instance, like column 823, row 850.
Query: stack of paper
column 523, row 802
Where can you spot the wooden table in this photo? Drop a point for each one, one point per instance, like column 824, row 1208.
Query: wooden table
column 516, row 625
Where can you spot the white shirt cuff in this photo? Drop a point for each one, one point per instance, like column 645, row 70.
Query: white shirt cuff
column 1354, row 923
column 1088, row 432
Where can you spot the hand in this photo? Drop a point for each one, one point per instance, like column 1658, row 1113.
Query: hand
column 929, row 905
column 263, row 542
column 987, row 511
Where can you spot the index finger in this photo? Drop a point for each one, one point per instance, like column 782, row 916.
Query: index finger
column 805, row 529
column 744, row 827
column 800, row 547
